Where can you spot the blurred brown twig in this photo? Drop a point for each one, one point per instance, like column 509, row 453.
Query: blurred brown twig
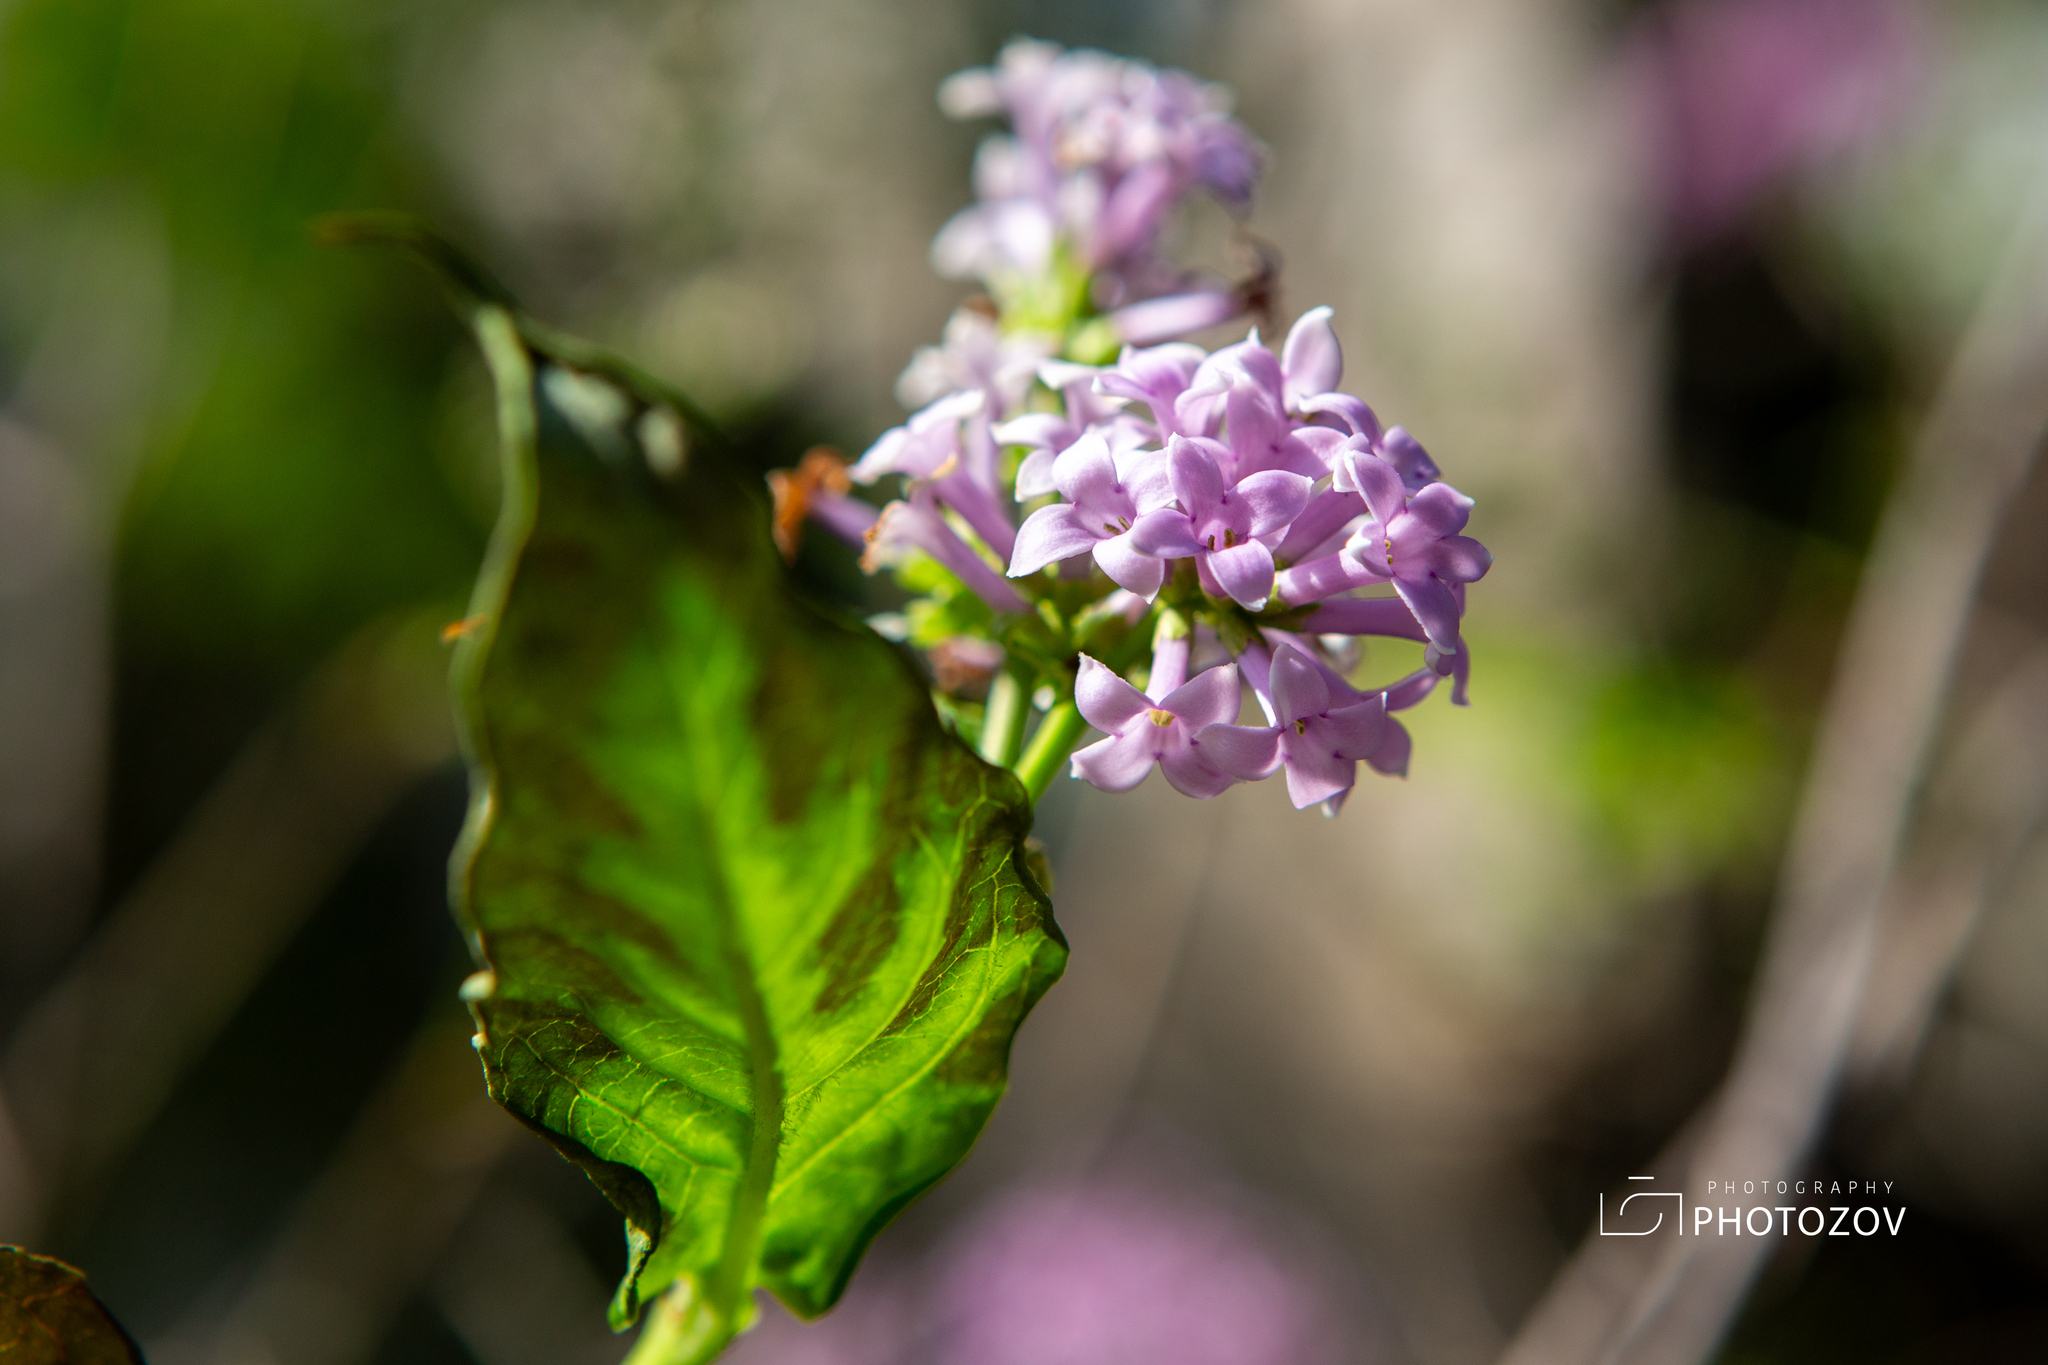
column 98, row 1054
column 1617, row 1302
column 1983, row 808
column 374, row 1224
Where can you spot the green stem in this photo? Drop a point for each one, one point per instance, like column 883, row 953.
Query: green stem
column 1002, row 726
column 511, row 370
column 1049, row 748
column 681, row 1328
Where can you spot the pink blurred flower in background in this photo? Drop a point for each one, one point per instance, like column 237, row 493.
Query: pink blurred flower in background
column 1102, row 1273
column 1112, row 1275
column 1740, row 96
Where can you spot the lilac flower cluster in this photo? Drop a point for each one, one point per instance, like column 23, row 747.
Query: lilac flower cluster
column 1101, row 152
column 1235, row 512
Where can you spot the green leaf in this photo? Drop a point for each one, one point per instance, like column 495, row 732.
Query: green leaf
column 49, row 1317
column 757, row 931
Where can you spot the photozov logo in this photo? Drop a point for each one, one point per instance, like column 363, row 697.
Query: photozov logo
column 1626, row 1226
column 1811, row 1209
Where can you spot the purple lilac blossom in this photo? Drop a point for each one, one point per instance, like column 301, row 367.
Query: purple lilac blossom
column 1174, row 315
column 1046, row 434
column 1218, row 522
column 1143, row 731
column 975, row 354
column 1156, row 377
column 1318, row 735
column 1232, row 504
column 921, row 445
column 1171, row 651
column 846, row 517
column 1323, row 526
column 1100, row 152
column 1096, row 519
column 951, row 447
column 1410, row 542
column 1311, row 361
column 1414, row 543
column 918, row 523
column 1280, row 488
column 1235, row 403
column 1392, row 756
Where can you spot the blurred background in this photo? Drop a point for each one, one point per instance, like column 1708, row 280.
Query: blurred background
column 1669, row 288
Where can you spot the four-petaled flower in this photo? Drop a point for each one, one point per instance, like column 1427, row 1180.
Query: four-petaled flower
column 1143, row 732
column 1414, row 542
column 1048, row 434
column 1155, row 376
column 1317, row 743
column 1218, row 524
column 1097, row 517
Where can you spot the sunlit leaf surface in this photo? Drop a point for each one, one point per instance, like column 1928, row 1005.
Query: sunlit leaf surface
column 757, row 931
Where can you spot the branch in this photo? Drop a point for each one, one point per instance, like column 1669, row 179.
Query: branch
column 1613, row 1303
column 1984, row 809
column 97, row 1055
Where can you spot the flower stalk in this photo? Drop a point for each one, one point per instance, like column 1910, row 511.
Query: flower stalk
column 1051, row 747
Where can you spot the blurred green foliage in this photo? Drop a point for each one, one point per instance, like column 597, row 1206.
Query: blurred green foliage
column 284, row 488
column 261, row 423
column 1686, row 771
